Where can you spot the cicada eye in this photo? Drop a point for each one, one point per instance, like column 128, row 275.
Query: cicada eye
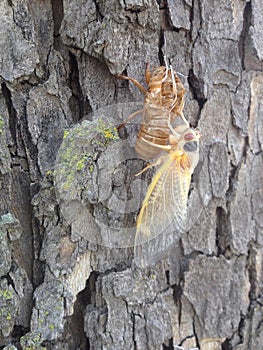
column 191, row 146
column 189, row 137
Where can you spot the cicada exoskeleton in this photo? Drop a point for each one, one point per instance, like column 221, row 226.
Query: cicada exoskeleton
column 164, row 102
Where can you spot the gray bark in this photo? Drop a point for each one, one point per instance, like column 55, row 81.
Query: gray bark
column 68, row 280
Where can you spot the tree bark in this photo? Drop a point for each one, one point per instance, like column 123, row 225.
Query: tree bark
column 68, row 279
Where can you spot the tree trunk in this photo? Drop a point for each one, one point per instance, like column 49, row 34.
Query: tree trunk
column 67, row 204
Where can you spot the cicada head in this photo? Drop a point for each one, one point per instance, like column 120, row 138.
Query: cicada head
column 184, row 134
column 186, row 140
column 178, row 132
column 190, row 144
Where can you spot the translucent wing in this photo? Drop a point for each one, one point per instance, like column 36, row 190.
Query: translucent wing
column 166, row 198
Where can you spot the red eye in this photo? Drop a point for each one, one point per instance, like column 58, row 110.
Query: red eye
column 188, row 137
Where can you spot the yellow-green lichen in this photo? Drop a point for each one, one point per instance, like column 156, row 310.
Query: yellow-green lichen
column 32, row 341
column 5, row 313
column 66, row 132
column 6, row 294
column 69, row 181
column 109, row 132
column 91, row 168
column 72, row 163
column 8, row 316
column 153, row 276
column 73, row 152
column 40, row 320
column 51, row 327
column 81, row 163
column 50, row 175
column 1, row 125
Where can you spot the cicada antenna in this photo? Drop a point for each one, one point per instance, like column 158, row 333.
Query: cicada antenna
column 174, row 83
column 166, row 62
column 166, row 68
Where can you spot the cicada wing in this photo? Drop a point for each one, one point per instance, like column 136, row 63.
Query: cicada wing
column 162, row 218
column 164, row 209
column 159, row 247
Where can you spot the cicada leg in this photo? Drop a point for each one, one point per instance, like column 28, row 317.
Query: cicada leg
column 149, row 166
column 133, row 115
column 147, row 74
column 184, row 119
column 134, row 81
column 175, row 92
column 166, row 69
column 167, row 65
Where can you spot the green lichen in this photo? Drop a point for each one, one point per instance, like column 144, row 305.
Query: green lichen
column 81, row 163
column 58, row 308
column 41, row 321
column 51, row 327
column 69, row 181
column 91, row 168
column 1, row 125
column 50, row 176
column 72, row 163
column 153, row 276
column 32, row 341
column 5, row 313
column 66, row 132
column 109, row 132
column 74, row 157
column 6, row 294
column 49, row 173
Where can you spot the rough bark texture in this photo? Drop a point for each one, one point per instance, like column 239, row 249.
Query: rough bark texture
column 59, row 290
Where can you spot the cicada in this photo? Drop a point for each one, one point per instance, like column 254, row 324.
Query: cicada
column 176, row 150
column 165, row 203
column 164, row 102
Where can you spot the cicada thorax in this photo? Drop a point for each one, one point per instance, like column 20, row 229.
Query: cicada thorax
column 164, row 101
column 165, row 89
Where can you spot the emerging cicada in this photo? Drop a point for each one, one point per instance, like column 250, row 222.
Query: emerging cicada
column 176, row 149
column 166, row 197
column 165, row 203
column 164, row 102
